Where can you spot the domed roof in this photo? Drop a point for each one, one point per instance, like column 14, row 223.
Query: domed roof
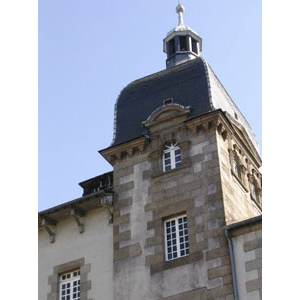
column 189, row 84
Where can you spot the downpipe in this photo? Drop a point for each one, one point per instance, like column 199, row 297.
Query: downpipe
column 235, row 289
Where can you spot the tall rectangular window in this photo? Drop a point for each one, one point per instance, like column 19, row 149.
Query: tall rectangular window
column 235, row 167
column 171, row 157
column 253, row 191
column 176, row 237
column 69, row 286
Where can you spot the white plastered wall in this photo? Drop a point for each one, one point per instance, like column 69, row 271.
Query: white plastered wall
column 95, row 244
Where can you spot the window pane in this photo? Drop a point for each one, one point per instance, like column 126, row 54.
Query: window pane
column 178, row 158
column 177, row 152
column 179, row 164
column 167, row 161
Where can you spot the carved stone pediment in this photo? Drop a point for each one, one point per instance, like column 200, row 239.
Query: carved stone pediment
column 166, row 114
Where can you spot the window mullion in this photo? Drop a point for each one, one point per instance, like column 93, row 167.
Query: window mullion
column 71, row 286
column 166, row 243
column 172, row 159
column 177, row 238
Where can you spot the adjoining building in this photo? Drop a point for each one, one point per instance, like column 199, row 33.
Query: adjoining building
column 179, row 217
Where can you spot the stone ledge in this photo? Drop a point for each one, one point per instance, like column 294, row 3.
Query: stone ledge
column 198, row 294
column 166, row 265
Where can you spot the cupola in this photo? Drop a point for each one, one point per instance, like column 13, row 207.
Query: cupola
column 182, row 43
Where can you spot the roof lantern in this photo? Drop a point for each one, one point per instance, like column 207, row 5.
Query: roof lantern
column 182, row 43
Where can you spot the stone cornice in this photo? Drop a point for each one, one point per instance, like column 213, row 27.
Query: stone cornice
column 218, row 120
column 213, row 120
column 116, row 153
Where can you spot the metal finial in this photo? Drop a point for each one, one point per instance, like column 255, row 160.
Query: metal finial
column 180, row 10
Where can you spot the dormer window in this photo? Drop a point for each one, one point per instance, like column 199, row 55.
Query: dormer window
column 171, row 157
column 168, row 101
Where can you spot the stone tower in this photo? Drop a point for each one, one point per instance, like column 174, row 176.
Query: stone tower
column 185, row 164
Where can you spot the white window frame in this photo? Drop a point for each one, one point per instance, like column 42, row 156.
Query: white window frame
column 177, row 232
column 170, row 150
column 73, row 279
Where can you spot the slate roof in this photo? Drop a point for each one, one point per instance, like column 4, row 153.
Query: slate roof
column 190, row 84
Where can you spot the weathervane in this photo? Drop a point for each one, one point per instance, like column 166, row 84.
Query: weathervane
column 180, row 10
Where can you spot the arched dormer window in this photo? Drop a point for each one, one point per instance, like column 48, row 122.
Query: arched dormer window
column 171, row 156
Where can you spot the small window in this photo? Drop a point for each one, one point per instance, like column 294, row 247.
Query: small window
column 194, row 46
column 176, row 237
column 253, row 191
column 171, row 157
column 171, row 47
column 69, row 286
column 168, row 101
column 235, row 167
column 183, row 46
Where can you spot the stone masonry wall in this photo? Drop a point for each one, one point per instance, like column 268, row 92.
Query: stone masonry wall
column 145, row 196
column 236, row 192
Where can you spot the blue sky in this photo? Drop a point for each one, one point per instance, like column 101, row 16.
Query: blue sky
column 89, row 50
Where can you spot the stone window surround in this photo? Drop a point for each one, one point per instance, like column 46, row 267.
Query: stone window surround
column 234, row 157
column 180, row 261
column 53, row 280
column 239, row 181
column 177, row 236
column 185, row 159
column 254, row 182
